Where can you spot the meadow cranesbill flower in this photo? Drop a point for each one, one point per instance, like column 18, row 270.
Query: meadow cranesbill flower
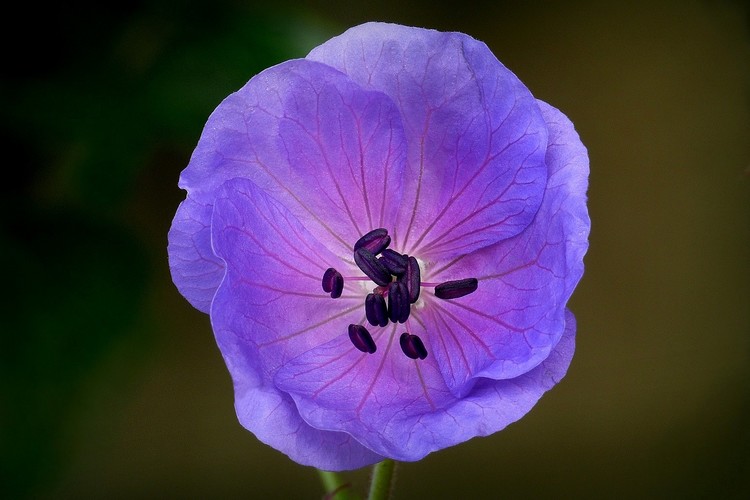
column 385, row 235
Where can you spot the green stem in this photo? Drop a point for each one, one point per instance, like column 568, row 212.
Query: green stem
column 335, row 487
column 382, row 480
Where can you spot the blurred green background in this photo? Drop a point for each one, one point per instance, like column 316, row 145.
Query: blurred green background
column 110, row 383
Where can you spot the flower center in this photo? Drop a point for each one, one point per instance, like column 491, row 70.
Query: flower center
column 398, row 280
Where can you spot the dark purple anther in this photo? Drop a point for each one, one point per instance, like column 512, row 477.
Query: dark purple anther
column 412, row 346
column 375, row 241
column 412, row 278
column 361, row 338
column 375, row 309
column 398, row 302
column 455, row 289
column 333, row 282
column 371, row 266
column 394, row 261
column 328, row 279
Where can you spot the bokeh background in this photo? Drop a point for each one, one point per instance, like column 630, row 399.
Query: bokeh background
column 111, row 384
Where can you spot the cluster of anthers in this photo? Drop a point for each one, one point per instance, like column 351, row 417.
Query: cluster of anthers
column 398, row 280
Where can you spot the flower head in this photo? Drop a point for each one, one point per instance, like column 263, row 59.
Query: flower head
column 385, row 235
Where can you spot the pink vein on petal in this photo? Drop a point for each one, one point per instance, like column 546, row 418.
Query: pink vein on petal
column 271, row 254
column 363, row 177
column 385, row 181
column 316, row 139
column 310, row 327
column 434, row 242
column 311, row 295
column 377, row 373
column 283, row 236
column 419, row 178
column 291, row 193
column 455, row 340
column 444, row 310
column 489, row 317
column 424, row 386
column 345, row 353
column 488, row 159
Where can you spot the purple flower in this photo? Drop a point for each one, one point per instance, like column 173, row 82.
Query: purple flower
column 385, row 235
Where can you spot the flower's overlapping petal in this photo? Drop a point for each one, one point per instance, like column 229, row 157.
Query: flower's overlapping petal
column 476, row 172
column 330, row 151
column 196, row 271
column 269, row 309
column 569, row 165
column 516, row 316
column 401, row 408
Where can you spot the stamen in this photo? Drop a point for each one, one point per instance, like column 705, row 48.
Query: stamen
column 411, row 279
column 361, row 338
column 375, row 241
column 375, row 310
column 333, row 282
column 398, row 277
column 394, row 261
column 371, row 266
column 398, row 302
column 455, row 289
column 412, row 346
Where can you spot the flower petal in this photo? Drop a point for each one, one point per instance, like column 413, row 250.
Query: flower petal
column 401, row 408
column 330, row 151
column 494, row 404
column 196, row 271
column 273, row 417
column 516, row 315
column 476, row 136
column 269, row 308
column 568, row 162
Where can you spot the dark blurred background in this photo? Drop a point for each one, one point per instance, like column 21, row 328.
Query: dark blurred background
column 110, row 383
